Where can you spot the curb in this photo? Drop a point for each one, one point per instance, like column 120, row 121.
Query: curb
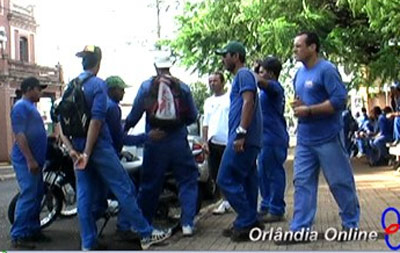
column 7, row 177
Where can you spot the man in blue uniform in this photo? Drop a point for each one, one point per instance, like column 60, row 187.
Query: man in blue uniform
column 116, row 90
column 275, row 142
column 171, row 152
column 320, row 98
column 28, row 157
column 97, row 163
column 237, row 176
column 377, row 151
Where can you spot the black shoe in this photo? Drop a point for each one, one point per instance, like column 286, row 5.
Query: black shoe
column 96, row 246
column 243, row 234
column 22, row 243
column 269, row 218
column 227, row 232
column 127, row 235
column 290, row 242
column 39, row 237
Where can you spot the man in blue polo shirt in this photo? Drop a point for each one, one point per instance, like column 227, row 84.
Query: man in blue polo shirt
column 28, row 156
column 237, row 176
column 320, row 99
column 275, row 142
column 96, row 163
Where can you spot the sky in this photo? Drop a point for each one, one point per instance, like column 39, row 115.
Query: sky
column 125, row 30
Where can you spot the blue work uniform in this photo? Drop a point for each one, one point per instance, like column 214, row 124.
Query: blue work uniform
column 119, row 138
column 378, row 145
column 274, row 150
column 103, row 167
column 396, row 124
column 171, row 152
column 320, row 144
column 237, row 176
column 25, row 119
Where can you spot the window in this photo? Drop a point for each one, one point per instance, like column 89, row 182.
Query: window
column 23, row 49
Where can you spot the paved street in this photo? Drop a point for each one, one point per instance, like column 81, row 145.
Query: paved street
column 378, row 188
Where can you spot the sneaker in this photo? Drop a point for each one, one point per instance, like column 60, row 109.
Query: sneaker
column 22, row 243
column 156, row 236
column 187, row 230
column 223, row 208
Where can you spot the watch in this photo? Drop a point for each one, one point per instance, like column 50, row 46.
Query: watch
column 241, row 130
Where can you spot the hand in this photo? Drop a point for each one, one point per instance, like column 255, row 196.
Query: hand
column 302, row 111
column 156, row 134
column 74, row 155
column 238, row 145
column 81, row 162
column 296, row 103
column 206, row 148
column 33, row 166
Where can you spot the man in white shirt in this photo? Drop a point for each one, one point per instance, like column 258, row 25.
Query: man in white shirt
column 215, row 129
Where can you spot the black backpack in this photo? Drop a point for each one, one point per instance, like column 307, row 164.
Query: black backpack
column 74, row 114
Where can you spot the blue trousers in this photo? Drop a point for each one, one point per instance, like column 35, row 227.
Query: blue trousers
column 335, row 164
column 377, row 149
column 157, row 159
column 27, row 210
column 272, row 179
column 104, row 167
column 238, row 181
column 396, row 128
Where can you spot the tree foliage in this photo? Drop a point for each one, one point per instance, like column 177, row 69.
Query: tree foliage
column 361, row 35
column 199, row 92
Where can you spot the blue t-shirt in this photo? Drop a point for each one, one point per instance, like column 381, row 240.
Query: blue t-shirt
column 313, row 86
column 139, row 107
column 118, row 137
column 272, row 100
column 245, row 81
column 26, row 119
column 385, row 126
column 95, row 90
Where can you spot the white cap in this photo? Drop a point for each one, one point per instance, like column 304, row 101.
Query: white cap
column 163, row 60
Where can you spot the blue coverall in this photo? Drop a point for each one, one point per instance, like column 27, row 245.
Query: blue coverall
column 273, row 154
column 237, row 176
column 104, row 168
column 25, row 119
column 172, row 152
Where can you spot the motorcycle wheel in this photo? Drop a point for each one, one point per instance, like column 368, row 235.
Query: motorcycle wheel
column 51, row 205
column 68, row 211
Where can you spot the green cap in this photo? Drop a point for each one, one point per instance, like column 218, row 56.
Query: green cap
column 232, row 47
column 116, row 82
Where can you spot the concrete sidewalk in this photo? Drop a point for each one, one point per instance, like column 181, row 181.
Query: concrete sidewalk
column 378, row 188
column 6, row 171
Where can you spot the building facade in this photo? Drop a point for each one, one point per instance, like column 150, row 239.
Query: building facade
column 17, row 62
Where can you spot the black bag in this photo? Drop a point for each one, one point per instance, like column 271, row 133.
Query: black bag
column 74, row 113
column 152, row 105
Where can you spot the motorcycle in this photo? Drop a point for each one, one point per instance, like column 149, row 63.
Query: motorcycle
column 59, row 199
